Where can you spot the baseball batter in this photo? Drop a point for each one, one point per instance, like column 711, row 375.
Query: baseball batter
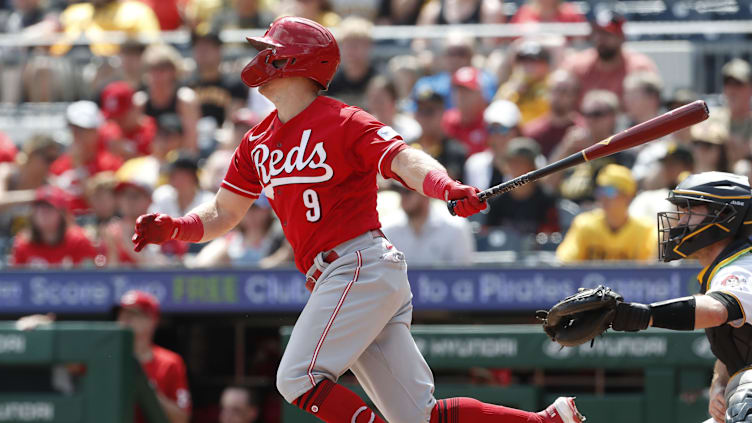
column 316, row 159
column 713, row 224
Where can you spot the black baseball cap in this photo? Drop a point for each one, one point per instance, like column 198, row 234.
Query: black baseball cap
column 208, row 34
column 679, row 153
column 532, row 50
column 183, row 161
column 523, row 147
column 169, row 124
column 428, row 94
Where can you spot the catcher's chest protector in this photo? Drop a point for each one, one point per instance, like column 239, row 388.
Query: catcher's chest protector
column 733, row 346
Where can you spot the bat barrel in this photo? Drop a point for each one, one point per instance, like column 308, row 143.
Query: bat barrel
column 655, row 128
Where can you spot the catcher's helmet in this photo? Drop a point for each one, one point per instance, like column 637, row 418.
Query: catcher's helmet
column 293, row 47
column 728, row 198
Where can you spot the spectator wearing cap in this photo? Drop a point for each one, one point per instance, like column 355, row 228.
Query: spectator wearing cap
column 465, row 121
column 529, row 209
column 238, row 404
column 737, row 117
column 526, row 86
column 547, row 11
column 133, row 198
column 168, row 140
column 165, row 370
column 182, row 191
column 18, row 181
column 549, row 129
column 710, row 147
column 219, row 94
column 128, row 132
column 87, row 154
column 433, row 140
column 457, row 52
column 52, row 240
column 381, row 102
column 92, row 18
column 357, row 67
column 165, row 95
column 599, row 109
column 676, row 163
column 605, row 65
column 258, row 241
column 427, row 234
column 485, row 169
column 608, row 232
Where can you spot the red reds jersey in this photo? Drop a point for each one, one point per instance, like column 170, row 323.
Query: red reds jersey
column 166, row 373
column 318, row 171
column 74, row 249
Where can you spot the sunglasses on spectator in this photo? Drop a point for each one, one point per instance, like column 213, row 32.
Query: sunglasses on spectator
column 607, row 191
column 703, row 144
column 597, row 113
column 497, row 129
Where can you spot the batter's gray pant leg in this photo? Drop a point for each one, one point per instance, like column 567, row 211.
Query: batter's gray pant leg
column 739, row 398
column 355, row 298
column 395, row 376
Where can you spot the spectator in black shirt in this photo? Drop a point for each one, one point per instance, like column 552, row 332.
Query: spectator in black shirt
column 449, row 152
column 529, row 209
column 355, row 42
column 219, row 94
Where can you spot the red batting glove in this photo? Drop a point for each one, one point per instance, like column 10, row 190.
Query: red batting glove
column 438, row 184
column 157, row 228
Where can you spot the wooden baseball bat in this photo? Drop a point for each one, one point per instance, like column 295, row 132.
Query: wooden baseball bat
column 655, row 128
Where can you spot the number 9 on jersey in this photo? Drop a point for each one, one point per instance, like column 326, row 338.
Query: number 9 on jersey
column 311, row 200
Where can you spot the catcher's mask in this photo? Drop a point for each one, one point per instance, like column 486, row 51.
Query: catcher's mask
column 727, row 198
column 293, row 46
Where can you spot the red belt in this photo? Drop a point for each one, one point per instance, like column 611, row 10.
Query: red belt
column 330, row 257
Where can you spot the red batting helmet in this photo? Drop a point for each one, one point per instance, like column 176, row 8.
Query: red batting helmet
column 309, row 50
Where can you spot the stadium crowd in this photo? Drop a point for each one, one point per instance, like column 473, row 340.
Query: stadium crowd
column 151, row 127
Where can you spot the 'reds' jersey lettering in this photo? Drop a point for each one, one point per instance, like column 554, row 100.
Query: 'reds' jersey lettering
column 318, row 171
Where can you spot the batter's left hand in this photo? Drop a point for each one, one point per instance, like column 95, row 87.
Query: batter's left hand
column 467, row 199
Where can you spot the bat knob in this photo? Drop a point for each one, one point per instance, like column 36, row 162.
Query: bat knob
column 451, row 204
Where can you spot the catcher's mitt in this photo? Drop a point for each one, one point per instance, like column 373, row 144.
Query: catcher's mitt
column 581, row 317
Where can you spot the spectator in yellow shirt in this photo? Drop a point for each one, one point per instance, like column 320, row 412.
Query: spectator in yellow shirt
column 96, row 17
column 526, row 86
column 609, row 232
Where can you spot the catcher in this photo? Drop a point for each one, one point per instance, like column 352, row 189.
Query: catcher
column 713, row 224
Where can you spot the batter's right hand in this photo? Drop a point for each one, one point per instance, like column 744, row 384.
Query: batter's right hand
column 717, row 404
column 153, row 228
column 467, row 199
